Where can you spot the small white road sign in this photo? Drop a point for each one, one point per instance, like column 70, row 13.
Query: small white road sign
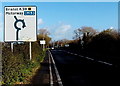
column 20, row 23
column 42, row 42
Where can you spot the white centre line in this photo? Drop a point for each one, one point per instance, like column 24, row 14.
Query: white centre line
column 105, row 63
column 91, row 59
column 75, row 54
column 82, row 56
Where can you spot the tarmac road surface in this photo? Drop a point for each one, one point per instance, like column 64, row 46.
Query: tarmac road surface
column 76, row 70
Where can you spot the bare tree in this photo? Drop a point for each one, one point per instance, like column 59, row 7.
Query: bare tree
column 43, row 32
column 77, row 33
column 84, row 35
column 88, row 30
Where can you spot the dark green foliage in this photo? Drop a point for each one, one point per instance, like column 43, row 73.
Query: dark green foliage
column 16, row 65
column 103, row 46
column 106, row 42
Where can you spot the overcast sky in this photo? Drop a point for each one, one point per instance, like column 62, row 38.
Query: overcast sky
column 62, row 18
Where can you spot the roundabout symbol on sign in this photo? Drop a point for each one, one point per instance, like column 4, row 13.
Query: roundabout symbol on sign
column 18, row 28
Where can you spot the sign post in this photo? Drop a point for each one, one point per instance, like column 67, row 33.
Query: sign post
column 42, row 42
column 12, row 47
column 20, row 24
column 30, row 51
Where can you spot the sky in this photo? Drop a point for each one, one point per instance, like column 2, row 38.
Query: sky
column 60, row 0
column 62, row 18
column 1, row 23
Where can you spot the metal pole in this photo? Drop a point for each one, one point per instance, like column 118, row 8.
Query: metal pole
column 12, row 47
column 43, row 47
column 30, row 51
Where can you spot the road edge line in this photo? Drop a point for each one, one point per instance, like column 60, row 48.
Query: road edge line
column 56, row 71
column 51, row 75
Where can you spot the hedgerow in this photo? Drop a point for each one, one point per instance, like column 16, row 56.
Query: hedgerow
column 17, row 65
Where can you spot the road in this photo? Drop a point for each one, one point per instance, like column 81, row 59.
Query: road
column 76, row 70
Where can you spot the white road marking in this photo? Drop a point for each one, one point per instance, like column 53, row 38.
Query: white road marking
column 105, row 63
column 75, row 54
column 82, row 56
column 89, row 58
column 68, row 52
column 51, row 75
column 56, row 71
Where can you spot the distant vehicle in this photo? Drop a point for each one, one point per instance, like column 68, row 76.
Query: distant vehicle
column 52, row 48
column 66, row 45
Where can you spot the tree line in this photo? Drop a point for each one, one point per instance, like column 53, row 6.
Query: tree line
column 102, row 45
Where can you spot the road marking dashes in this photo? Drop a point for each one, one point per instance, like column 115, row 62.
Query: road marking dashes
column 82, row 56
column 105, row 63
column 75, row 54
column 88, row 58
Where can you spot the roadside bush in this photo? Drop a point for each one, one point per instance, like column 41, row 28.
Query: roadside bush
column 103, row 46
column 16, row 65
column 105, row 43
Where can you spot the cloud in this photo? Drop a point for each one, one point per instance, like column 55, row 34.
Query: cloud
column 40, row 21
column 65, row 28
column 0, row 27
column 61, row 31
column 0, row 14
column 111, row 27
